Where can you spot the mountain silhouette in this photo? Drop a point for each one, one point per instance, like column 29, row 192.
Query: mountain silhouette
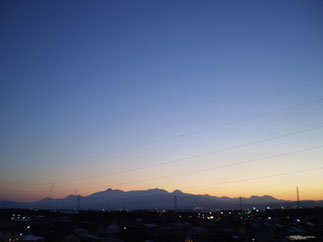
column 156, row 199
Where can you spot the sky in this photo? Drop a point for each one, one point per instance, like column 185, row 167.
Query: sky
column 202, row 96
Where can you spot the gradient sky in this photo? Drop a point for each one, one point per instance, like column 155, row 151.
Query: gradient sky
column 90, row 89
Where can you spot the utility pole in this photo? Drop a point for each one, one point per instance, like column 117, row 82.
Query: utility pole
column 240, row 203
column 297, row 196
column 78, row 202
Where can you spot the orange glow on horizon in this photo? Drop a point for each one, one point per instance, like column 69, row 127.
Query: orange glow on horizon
column 36, row 196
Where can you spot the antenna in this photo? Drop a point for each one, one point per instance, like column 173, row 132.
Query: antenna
column 297, row 196
column 52, row 187
column 175, row 203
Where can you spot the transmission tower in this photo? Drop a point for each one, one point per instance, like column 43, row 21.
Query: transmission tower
column 78, row 200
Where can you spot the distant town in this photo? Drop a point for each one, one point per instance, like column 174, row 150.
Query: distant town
column 294, row 224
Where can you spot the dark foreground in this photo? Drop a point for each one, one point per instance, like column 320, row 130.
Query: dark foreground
column 161, row 225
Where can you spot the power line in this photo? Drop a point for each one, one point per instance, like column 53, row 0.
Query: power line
column 197, row 131
column 233, row 163
column 193, row 133
column 220, row 167
column 258, row 115
column 198, row 155
column 274, row 175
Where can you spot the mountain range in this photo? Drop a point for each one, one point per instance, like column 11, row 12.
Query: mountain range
column 156, row 199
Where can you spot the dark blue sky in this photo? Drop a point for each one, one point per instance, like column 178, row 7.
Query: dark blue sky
column 83, row 78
